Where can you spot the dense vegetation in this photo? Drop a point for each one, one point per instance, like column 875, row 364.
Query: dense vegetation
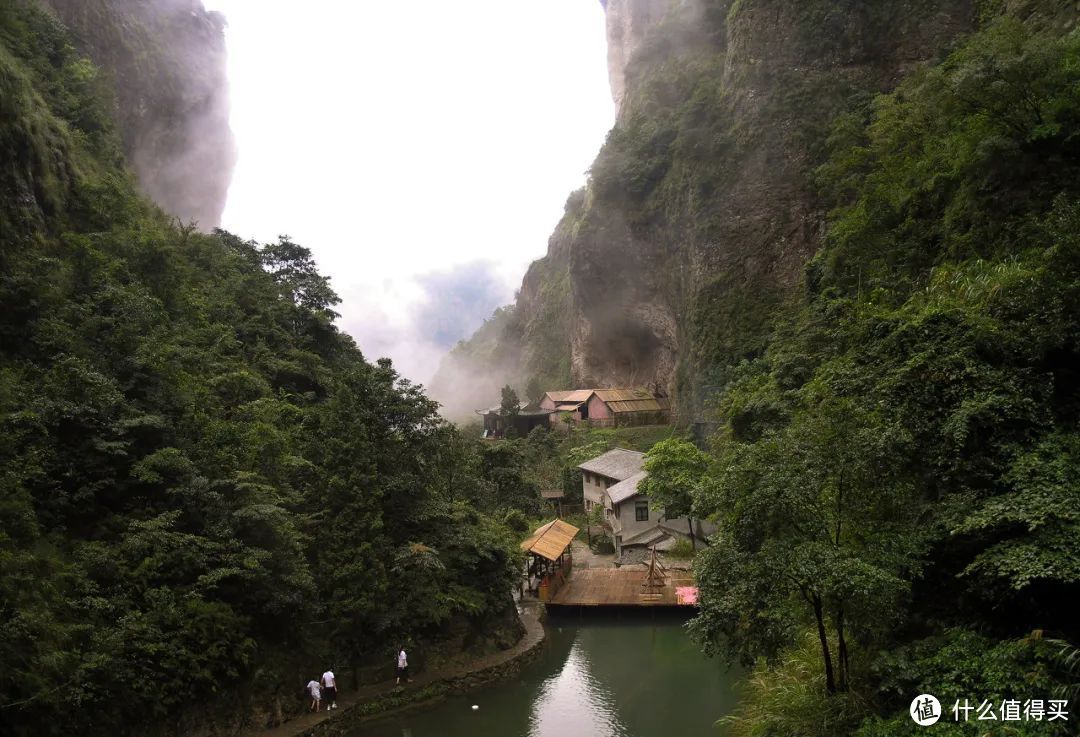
column 897, row 474
column 207, row 494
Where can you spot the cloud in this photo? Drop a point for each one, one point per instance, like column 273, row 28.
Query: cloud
column 416, row 320
column 458, row 300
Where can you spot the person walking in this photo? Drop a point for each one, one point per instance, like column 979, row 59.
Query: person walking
column 329, row 688
column 316, row 694
column 402, row 666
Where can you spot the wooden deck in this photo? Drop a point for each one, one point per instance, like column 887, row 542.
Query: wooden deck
column 618, row 587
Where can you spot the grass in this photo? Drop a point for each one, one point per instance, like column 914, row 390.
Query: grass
column 682, row 550
column 640, row 438
column 789, row 699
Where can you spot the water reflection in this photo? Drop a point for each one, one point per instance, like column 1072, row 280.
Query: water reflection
column 595, row 678
column 573, row 703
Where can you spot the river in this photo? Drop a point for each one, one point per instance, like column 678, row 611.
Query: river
column 634, row 677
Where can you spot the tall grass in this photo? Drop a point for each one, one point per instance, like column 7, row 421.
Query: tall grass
column 788, row 699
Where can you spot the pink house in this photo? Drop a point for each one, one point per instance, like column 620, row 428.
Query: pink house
column 574, row 402
column 602, row 407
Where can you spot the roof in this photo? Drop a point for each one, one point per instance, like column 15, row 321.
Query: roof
column 626, row 488
column 551, row 493
column 633, row 400
column 623, row 395
column 571, row 396
column 659, row 404
column 618, row 464
column 523, row 410
column 648, row 537
column 550, row 540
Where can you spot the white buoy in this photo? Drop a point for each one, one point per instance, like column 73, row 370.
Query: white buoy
column 475, row 707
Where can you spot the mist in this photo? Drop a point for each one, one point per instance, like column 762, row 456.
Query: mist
column 422, row 151
column 440, row 308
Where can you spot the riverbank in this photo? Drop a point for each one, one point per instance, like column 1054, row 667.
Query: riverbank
column 383, row 698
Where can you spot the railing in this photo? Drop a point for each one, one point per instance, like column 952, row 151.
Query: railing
column 552, row 582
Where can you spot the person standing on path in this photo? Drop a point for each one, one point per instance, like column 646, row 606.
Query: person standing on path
column 329, row 687
column 316, row 694
column 402, row 666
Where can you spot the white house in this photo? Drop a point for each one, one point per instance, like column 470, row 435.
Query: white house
column 611, row 480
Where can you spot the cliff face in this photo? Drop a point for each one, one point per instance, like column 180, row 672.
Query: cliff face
column 628, row 23
column 700, row 211
column 166, row 61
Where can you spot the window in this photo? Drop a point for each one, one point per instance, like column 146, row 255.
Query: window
column 641, row 511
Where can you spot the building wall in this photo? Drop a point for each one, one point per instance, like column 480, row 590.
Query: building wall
column 598, row 409
column 593, row 488
column 626, row 523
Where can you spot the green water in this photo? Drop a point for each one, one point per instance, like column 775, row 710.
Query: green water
column 593, row 678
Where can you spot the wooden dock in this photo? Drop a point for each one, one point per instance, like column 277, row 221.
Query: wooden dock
column 618, row 587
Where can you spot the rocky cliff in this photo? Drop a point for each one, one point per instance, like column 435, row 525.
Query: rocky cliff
column 166, row 63
column 628, row 23
column 700, row 212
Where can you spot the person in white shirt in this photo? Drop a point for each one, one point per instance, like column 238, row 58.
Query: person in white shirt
column 329, row 687
column 402, row 666
column 316, row 694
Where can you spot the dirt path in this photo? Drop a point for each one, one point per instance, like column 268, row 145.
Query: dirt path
column 301, row 725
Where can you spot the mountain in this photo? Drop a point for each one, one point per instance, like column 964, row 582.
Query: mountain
column 702, row 211
column 165, row 63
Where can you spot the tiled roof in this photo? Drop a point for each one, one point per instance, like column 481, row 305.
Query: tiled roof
column 626, row 488
column 624, row 395
column 632, row 400
column 659, row 404
column 618, row 464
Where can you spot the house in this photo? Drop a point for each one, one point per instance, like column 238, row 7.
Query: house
column 601, row 473
column 574, row 401
column 611, row 481
column 496, row 424
column 627, row 407
column 606, row 407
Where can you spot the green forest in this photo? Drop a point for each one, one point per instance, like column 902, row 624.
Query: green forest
column 206, row 491
column 896, row 473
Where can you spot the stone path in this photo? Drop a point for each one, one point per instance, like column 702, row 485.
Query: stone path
column 584, row 557
column 534, row 635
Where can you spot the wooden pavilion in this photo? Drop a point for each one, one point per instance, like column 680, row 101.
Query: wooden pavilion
column 550, row 558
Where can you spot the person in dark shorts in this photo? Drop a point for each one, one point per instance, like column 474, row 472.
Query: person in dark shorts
column 402, row 666
column 329, row 689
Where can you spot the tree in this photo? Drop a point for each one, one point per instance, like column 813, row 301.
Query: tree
column 816, row 518
column 293, row 268
column 675, row 468
column 510, row 405
column 534, row 390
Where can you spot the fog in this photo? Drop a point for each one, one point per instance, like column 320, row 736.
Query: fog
column 422, row 151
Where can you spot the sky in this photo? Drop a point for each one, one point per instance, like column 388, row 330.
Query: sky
column 422, row 150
